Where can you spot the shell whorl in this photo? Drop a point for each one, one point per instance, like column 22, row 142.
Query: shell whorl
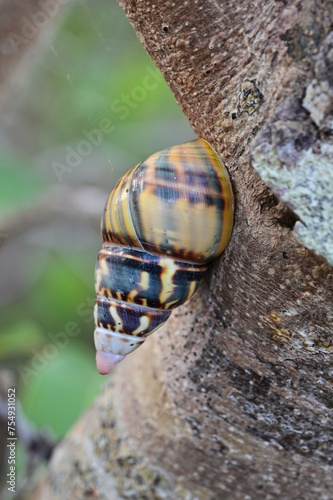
column 163, row 222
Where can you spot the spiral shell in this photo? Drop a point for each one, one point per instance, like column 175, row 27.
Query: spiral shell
column 164, row 221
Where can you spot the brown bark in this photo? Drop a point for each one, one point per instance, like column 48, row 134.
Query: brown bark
column 232, row 398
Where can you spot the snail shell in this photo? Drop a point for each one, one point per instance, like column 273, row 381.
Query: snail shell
column 164, row 221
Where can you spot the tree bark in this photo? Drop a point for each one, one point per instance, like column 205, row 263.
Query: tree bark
column 232, row 398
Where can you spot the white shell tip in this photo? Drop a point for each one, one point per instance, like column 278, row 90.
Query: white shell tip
column 106, row 361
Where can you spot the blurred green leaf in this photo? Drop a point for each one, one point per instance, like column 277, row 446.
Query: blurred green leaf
column 20, row 338
column 57, row 294
column 55, row 396
column 18, row 185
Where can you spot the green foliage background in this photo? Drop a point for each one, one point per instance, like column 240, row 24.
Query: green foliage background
column 47, row 257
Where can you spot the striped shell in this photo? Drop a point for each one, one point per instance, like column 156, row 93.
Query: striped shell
column 163, row 222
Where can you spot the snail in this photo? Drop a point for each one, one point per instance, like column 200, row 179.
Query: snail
column 164, row 221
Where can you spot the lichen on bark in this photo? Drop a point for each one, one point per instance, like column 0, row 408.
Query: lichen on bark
column 294, row 154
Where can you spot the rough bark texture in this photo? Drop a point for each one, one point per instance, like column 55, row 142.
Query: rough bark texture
column 232, row 399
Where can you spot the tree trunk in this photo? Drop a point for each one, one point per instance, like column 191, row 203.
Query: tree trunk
column 232, row 398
